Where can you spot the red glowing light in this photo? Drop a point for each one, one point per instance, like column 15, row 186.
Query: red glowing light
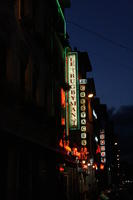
column 61, row 169
column 62, row 98
column 61, row 143
column 98, row 150
column 62, row 121
column 85, row 167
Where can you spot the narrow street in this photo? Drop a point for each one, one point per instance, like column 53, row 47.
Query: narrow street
column 66, row 102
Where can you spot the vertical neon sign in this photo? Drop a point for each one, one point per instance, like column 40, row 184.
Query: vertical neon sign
column 83, row 122
column 102, row 146
column 73, row 91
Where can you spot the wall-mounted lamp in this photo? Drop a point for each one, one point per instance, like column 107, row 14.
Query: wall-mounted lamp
column 90, row 95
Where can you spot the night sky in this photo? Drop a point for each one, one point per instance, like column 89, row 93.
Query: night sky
column 105, row 30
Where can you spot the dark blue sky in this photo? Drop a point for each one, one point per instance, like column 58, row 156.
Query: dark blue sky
column 112, row 63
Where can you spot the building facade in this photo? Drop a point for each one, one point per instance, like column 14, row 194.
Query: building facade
column 32, row 65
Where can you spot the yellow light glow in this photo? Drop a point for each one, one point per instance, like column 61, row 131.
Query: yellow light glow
column 67, row 148
column 83, row 161
column 95, row 166
column 90, row 95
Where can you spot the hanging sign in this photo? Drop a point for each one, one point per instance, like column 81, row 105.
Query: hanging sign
column 73, row 94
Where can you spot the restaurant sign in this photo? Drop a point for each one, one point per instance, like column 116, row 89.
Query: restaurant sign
column 73, row 91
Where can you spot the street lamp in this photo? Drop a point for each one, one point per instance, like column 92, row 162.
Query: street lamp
column 90, row 95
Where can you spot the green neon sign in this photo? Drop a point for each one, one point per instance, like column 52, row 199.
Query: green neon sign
column 62, row 15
